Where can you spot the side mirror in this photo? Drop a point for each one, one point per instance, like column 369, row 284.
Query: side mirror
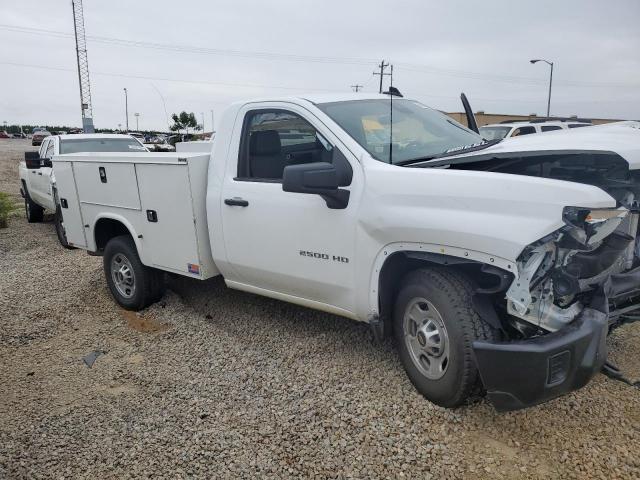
column 46, row 162
column 32, row 160
column 320, row 178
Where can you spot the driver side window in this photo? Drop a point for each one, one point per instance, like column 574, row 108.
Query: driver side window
column 274, row 139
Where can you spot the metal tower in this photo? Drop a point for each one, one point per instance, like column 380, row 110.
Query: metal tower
column 83, row 67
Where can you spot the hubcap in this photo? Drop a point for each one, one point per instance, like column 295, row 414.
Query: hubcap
column 123, row 276
column 426, row 338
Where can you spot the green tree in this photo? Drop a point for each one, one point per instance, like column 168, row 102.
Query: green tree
column 184, row 121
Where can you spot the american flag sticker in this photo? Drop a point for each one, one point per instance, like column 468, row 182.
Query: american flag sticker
column 193, row 268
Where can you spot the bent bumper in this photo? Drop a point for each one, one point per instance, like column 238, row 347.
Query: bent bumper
column 524, row 373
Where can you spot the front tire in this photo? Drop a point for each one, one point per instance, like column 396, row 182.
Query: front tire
column 33, row 211
column 133, row 285
column 435, row 326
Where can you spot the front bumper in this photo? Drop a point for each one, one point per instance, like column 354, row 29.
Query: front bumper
column 524, row 373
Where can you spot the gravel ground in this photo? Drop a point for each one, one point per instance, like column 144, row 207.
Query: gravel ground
column 217, row 383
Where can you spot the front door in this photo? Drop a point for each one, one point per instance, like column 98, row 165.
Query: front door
column 289, row 243
column 41, row 179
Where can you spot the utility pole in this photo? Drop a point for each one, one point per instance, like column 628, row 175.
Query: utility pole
column 382, row 66
column 83, row 67
column 213, row 128
column 137, row 115
column 202, row 115
column 126, row 109
column 356, row 88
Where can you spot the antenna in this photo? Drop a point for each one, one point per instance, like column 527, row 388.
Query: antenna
column 83, row 67
column 392, row 92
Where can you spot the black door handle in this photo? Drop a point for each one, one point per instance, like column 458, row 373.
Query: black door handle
column 236, row 202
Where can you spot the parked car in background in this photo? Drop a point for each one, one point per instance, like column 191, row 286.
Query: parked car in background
column 39, row 136
column 19, row 135
column 508, row 129
column 159, row 144
column 4, row 134
column 37, row 182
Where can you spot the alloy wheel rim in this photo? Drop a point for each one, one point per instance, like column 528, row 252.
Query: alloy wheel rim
column 426, row 338
column 123, row 277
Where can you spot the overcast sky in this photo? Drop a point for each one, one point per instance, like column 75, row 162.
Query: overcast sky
column 202, row 55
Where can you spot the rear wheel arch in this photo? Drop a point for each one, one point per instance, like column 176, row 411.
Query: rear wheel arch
column 107, row 228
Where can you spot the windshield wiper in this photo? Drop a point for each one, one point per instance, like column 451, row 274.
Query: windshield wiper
column 451, row 152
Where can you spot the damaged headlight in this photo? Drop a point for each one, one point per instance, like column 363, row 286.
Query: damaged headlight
column 590, row 226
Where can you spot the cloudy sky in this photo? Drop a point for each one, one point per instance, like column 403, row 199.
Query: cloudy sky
column 201, row 55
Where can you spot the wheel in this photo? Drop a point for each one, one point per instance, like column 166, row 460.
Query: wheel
column 133, row 285
column 34, row 212
column 435, row 326
column 60, row 231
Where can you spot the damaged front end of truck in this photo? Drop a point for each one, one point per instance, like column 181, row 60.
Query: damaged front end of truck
column 572, row 287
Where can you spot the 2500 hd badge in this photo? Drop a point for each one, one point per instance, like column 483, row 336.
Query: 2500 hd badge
column 324, row 256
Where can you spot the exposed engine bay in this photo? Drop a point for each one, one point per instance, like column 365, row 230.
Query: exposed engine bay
column 559, row 275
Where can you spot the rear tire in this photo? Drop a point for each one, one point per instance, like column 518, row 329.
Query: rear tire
column 435, row 326
column 60, row 231
column 33, row 211
column 133, row 285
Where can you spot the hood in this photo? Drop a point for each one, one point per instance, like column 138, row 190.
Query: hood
column 621, row 138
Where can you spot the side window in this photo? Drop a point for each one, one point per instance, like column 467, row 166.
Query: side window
column 550, row 128
column 578, row 125
column 523, row 131
column 274, row 139
column 49, row 152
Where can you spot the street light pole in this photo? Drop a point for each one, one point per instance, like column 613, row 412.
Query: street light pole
column 126, row 109
column 202, row 115
column 213, row 128
column 550, row 81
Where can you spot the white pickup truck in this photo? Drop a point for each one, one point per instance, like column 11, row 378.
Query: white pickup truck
column 37, row 182
column 496, row 265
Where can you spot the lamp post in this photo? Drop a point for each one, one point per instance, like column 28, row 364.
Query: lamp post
column 212, row 125
column 126, row 109
column 137, row 115
column 202, row 115
column 550, row 80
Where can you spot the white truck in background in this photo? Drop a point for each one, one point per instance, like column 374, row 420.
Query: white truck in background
column 494, row 264
column 37, row 182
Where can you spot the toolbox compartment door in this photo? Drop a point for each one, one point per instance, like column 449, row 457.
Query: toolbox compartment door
column 169, row 232
column 111, row 184
column 69, row 205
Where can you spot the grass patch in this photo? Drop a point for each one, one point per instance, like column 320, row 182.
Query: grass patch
column 7, row 206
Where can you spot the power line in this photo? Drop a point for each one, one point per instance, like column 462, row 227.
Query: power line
column 313, row 59
column 246, row 85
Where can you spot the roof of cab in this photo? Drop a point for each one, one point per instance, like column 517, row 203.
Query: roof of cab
column 81, row 136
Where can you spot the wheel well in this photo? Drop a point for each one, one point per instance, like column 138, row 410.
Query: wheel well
column 488, row 279
column 106, row 229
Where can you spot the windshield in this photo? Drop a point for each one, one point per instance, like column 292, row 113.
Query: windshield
column 101, row 145
column 494, row 133
column 418, row 131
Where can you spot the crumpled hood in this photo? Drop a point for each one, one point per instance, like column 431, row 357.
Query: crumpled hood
column 622, row 138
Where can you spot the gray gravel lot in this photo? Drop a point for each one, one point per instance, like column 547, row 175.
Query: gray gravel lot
column 211, row 382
